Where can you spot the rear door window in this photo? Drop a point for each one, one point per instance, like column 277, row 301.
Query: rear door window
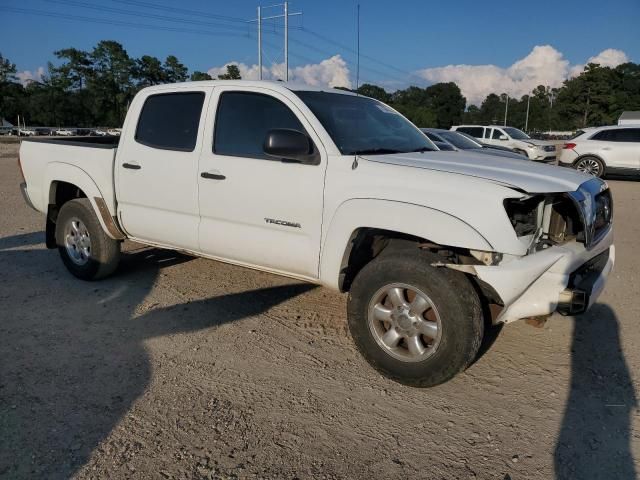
column 476, row 132
column 618, row 135
column 170, row 121
column 628, row 135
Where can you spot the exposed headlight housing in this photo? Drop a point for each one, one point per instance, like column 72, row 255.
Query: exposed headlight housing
column 544, row 220
column 594, row 201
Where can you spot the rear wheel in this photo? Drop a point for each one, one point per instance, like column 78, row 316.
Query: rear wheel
column 417, row 324
column 86, row 251
column 591, row 165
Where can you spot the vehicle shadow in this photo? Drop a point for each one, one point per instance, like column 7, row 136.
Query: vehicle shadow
column 595, row 437
column 72, row 356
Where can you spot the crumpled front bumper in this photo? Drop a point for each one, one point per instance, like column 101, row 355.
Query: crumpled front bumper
column 540, row 283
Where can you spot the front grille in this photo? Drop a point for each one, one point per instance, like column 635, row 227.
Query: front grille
column 549, row 148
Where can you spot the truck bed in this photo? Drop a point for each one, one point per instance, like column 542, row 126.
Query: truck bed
column 90, row 142
column 88, row 159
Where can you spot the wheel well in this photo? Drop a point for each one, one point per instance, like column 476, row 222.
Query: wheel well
column 59, row 194
column 365, row 244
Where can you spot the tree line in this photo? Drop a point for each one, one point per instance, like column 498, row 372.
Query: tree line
column 94, row 88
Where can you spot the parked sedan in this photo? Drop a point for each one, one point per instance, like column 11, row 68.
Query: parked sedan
column 63, row 132
column 461, row 142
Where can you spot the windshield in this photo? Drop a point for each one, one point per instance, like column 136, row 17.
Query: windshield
column 515, row 133
column 576, row 135
column 361, row 125
column 459, row 141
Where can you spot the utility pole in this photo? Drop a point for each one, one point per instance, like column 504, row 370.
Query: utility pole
column 506, row 109
column 526, row 122
column 286, row 16
column 260, row 41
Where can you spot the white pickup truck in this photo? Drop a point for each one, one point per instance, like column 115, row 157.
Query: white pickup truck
column 336, row 189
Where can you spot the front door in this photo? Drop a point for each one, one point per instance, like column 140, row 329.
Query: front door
column 258, row 210
column 156, row 168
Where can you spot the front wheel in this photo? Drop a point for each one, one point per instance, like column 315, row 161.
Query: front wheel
column 417, row 324
column 86, row 251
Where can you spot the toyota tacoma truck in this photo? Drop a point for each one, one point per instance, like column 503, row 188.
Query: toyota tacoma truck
column 337, row 189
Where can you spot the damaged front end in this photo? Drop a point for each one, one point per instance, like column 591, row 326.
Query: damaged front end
column 568, row 242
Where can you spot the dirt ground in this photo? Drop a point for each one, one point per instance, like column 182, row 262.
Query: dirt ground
column 179, row 367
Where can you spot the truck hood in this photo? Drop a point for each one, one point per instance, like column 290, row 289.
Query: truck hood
column 527, row 176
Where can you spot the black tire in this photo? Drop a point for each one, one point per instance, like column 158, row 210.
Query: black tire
column 588, row 164
column 104, row 251
column 453, row 295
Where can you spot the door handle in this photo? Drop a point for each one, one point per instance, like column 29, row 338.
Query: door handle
column 212, row 176
column 132, row 166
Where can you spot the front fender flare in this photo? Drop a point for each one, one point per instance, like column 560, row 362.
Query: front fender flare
column 407, row 218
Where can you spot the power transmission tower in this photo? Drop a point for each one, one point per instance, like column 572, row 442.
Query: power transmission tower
column 286, row 14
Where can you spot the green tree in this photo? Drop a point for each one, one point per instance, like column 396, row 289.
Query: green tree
column 148, row 71
column 373, row 91
column 197, row 76
column 233, row 73
column 446, row 102
column 175, row 71
column 111, row 82
column 10, row 91
column 7, row 70
column 74, row 70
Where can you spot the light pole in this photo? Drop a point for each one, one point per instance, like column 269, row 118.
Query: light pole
column 526, row 122
column 506, row 109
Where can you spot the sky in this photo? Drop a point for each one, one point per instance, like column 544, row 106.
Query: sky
column 499, row 46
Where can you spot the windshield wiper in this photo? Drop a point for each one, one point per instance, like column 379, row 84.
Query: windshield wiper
column 421, row 149
column 375, row 151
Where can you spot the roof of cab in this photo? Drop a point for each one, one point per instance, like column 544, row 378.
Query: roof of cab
column 274, row 85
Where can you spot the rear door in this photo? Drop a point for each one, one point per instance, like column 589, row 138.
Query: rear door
column 156, row 167
column 618, row 147
column 256, row 210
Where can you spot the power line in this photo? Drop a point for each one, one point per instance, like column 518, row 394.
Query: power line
column 183, row 11
column 44, row 13
column 277, row 26
column 120, row 11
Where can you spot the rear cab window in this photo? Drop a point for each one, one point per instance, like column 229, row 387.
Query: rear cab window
column 170, row 121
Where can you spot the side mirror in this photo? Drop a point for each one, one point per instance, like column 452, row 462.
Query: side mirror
column 290, row 145
column 503, row 137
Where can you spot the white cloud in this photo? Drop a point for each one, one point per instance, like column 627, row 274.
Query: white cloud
column 27, row 76
column 331, row 72
column 543, row 66
column 607, row 58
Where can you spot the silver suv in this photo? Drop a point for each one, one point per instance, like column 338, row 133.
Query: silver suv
column 512, row 138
